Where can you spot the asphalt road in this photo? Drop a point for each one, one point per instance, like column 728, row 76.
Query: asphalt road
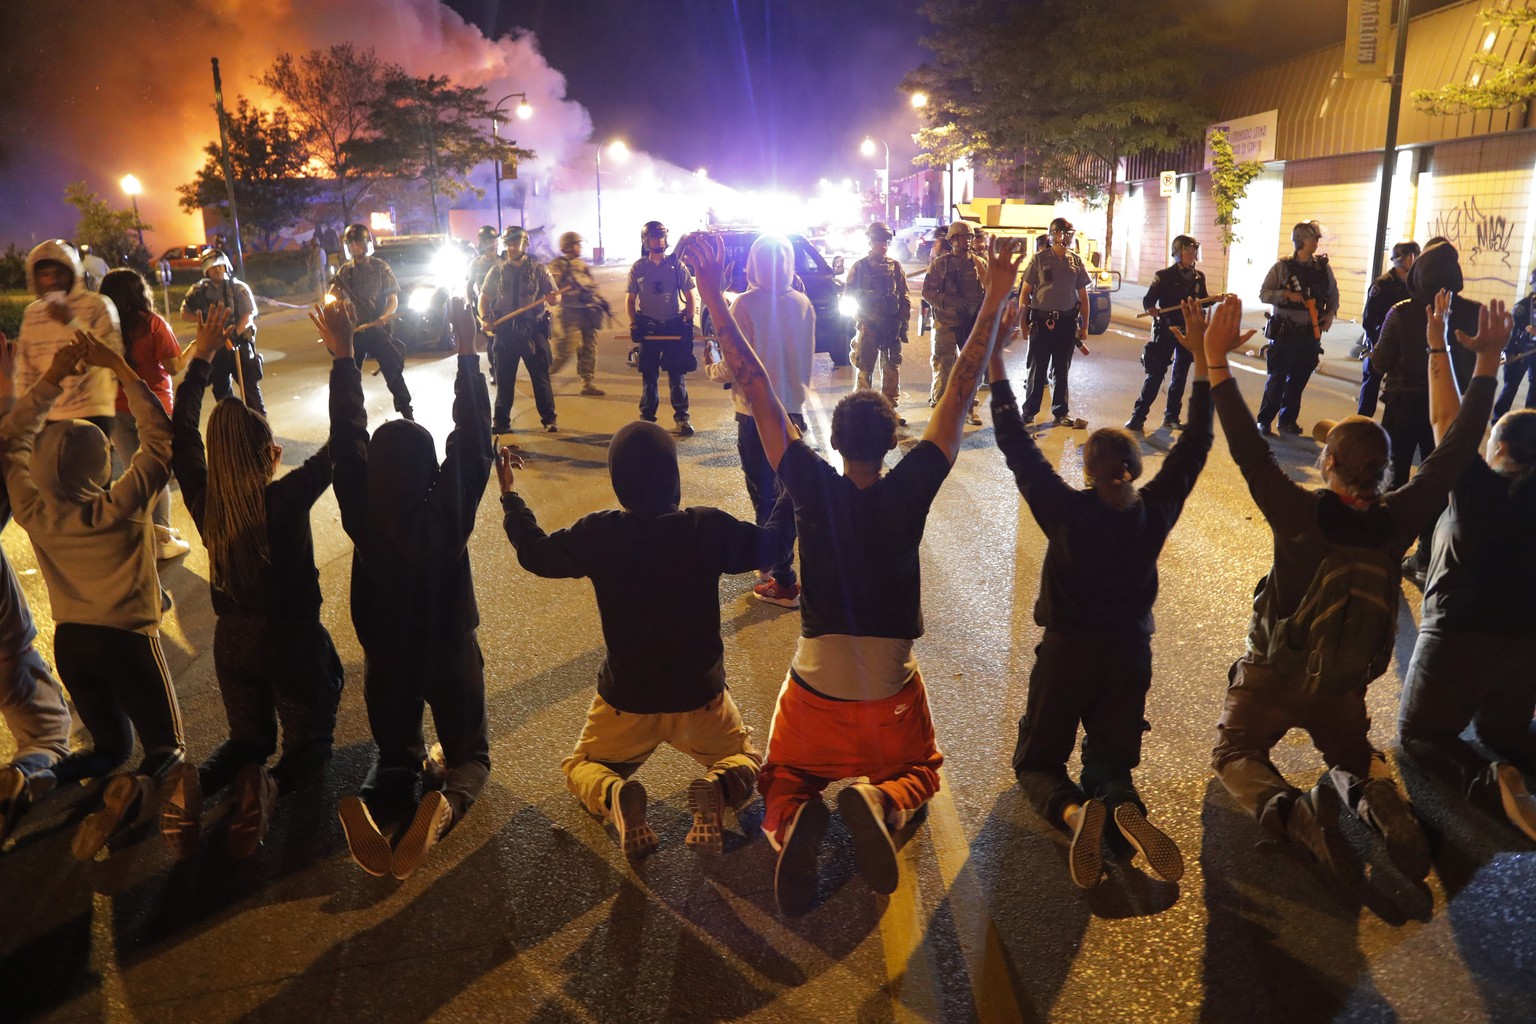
column 528, row 911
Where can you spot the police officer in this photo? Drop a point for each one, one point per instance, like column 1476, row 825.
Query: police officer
column 582, row 311
column 1053, row 300
column 660, row 307
column 879, row 287
column 486, row 243
column 368, row 284
column 518, row 281
column 954, row 288
column 1170, row 286
column 1519, row 357
column 1386, row 291
column 219, row 286
column 1306, row 298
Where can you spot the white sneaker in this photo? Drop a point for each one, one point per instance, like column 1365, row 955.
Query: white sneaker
column 168, row 545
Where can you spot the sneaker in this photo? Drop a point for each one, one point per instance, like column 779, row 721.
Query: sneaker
column 168, row 545
column 628, row 815
column 1308, row 820
column 588, row 388
column 13, row 798
column 863, row 811
column 708, row 806
column 255, row 794
column 366, row 843
column 120, row 803
column 551, row 428
column 772, row 593
column 433, row 816
column 1070, row 421
column 1159, row 852
column 434, row 771
column 1172, row 423
column 181, row 813
column 1519, row 805
column 1290, row 428
column 972, row 419
column 901, row 420
column 501, row 428
column 1383, row 807
column 1085, row 858
column 1265, row 429
column 763, row 576
column 794, row 877
column 1136, row 425
column 684, row 428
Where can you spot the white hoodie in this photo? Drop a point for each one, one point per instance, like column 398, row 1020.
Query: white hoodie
column 779, row 323
column 94, row 392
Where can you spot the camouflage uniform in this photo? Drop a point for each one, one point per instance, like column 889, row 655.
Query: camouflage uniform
column 954, row 288
column 582, row 311
column 880, row 287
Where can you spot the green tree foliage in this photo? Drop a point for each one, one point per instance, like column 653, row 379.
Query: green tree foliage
column 330, row 95
column 429, row 130
column 111, row 233
column 1496, row 82
column 1073, row 88
column 268, row 160
column 1229, row 183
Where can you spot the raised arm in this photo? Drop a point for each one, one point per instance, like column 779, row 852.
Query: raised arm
column 18, row 431
column 1182, row 468
column 553, row 557
column 150, row 468
column 348, row 442
column 1049, row 496
column 946, row 427
column 1444, row 399
column 468, row 452
column 188, row 455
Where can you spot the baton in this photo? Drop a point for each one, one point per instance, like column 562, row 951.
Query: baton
column 1175, row 309
column 519, row 311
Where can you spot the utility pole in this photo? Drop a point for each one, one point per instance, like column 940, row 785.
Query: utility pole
column 1389, row 151
column 229, row 174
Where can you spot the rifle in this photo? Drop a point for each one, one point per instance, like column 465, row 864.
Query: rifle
column 1311, row 304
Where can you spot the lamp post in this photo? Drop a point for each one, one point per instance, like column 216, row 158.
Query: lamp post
column 867, row 147
column 524, row 112
column 131, row 186
column 620, row 152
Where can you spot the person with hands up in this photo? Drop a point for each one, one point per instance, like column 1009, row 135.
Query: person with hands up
column 853, row 703
column 1325, row 615
column 64, row 306
column 1098, row 584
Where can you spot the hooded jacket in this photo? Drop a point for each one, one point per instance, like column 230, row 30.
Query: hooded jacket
column 94, row 392
column 1401, row 351
column 93, row 542
column 777, row 321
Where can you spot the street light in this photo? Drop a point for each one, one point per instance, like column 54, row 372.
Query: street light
column 524, row 112
column 919, row 100
column 617, row 151
column 131, row 186
column 867, row 147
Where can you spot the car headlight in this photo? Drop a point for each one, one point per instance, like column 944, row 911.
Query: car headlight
column 848, row 306
column 421, row 299
column 448, row 267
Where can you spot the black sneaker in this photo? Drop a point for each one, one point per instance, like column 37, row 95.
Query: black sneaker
column 366, row 843
column 794, row 877
column 684, row 428
column 1159, row 852
column 501, row 428
column 1171, row 423
column 1085, row 858
column 1136, row 425
column 1290, row 428
column 1265, row 430
column 433, row 816
column 708, row 806
column 551, row 428
column 1074, row 422
column 1383, row 807
column 628, row 815
column 863, row 811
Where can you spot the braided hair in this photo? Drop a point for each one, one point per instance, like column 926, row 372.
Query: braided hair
column 240, row 466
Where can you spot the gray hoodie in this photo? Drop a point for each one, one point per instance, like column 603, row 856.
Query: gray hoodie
column 779, row 323
column 94, row 543
column 94, row 392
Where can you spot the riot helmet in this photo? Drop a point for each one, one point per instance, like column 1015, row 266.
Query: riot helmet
column 1305, row 232
column 1064, row 226
column 514, row 239
column 358, row 233
column 1182, row 242
column 214, row 258
column 486, row 236
column 879, row 231
column 654, row 231
column 570, row 243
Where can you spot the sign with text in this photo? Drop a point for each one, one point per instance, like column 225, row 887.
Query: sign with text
column 1366, row 39
column 1251, row 138
column 1166, row 180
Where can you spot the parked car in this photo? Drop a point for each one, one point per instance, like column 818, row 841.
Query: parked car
column 428, row 268
column 183, row 257
column 818, row 278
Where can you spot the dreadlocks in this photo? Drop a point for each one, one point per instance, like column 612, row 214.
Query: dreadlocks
column 239, row 468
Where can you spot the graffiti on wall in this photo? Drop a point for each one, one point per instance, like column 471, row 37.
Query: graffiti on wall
column 1473, row 232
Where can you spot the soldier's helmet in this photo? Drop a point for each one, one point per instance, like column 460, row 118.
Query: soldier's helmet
column 1180, row 243
column 1304, row 231
column 570, row 241
column 214, row 258
column 879, row 231
column 653, row 230
column 959, row 229
column 486, row 235
column 1063, row 225
column 513, row 235
column 359, row 233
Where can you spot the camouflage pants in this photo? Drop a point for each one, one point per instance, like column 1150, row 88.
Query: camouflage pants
column 873, row 344
column 578, row 334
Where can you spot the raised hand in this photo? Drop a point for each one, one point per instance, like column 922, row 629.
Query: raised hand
column 464, row 328
column 704, row 255
column 1494, row 325
column 335, row 324
column 1223, row 332
column 67, row 362
column 91, row 349
column 212, row 333
column 1434, row 329
column 1192, row 336
column 1003, row 258
column 508, row 459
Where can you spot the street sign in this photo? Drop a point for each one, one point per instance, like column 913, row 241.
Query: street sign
column 1165, row 183
column 1366, row 37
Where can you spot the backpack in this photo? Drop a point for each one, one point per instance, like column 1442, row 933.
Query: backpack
column 1340, row 637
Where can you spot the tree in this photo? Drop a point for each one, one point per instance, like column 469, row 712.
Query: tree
column 1229, row 183
column 268, row 161
column 1500, row 83
column 427, row 129
column 331, row 96
column 107, row 231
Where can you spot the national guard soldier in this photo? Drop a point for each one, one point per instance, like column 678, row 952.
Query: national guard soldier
column 1170, row 286
column 879, row 287
column 1053, row 296
column 954, row 288
column 518, row 284
column 1306, row 297
column 660, row 308
column 219, row 286
column 582, row 311
column 369, row 284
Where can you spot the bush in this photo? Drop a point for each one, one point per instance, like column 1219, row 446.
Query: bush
column 12, row 304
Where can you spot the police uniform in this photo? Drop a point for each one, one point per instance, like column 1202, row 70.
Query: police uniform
column 582, row 311
column 1294, row 343
column 523, row 339
column 879, row 286
column 1386, row 291
column 1054, row 282
column 954, row 288
column 479, row 267
column 1519, row 361
column 658, row 289
column 368, row 283
column 1170, row 286
column 236, row 297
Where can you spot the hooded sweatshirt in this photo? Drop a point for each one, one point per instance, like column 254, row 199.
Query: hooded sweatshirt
column 778, row 322
column 409, row 518
column 656, row 571
column 93, row 542
column 1401, row 353
column 94, row 392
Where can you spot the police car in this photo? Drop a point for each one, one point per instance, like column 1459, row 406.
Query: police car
column 428, row 268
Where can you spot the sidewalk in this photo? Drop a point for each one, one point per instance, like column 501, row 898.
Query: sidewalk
column 1337, row 341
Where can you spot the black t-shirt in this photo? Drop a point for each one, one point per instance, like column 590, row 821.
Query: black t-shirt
column 859, row 572
column 1482, row 569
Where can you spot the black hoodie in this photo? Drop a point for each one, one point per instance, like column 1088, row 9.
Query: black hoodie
column 409, row 518
column 1400, row 353
column 656, row 571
